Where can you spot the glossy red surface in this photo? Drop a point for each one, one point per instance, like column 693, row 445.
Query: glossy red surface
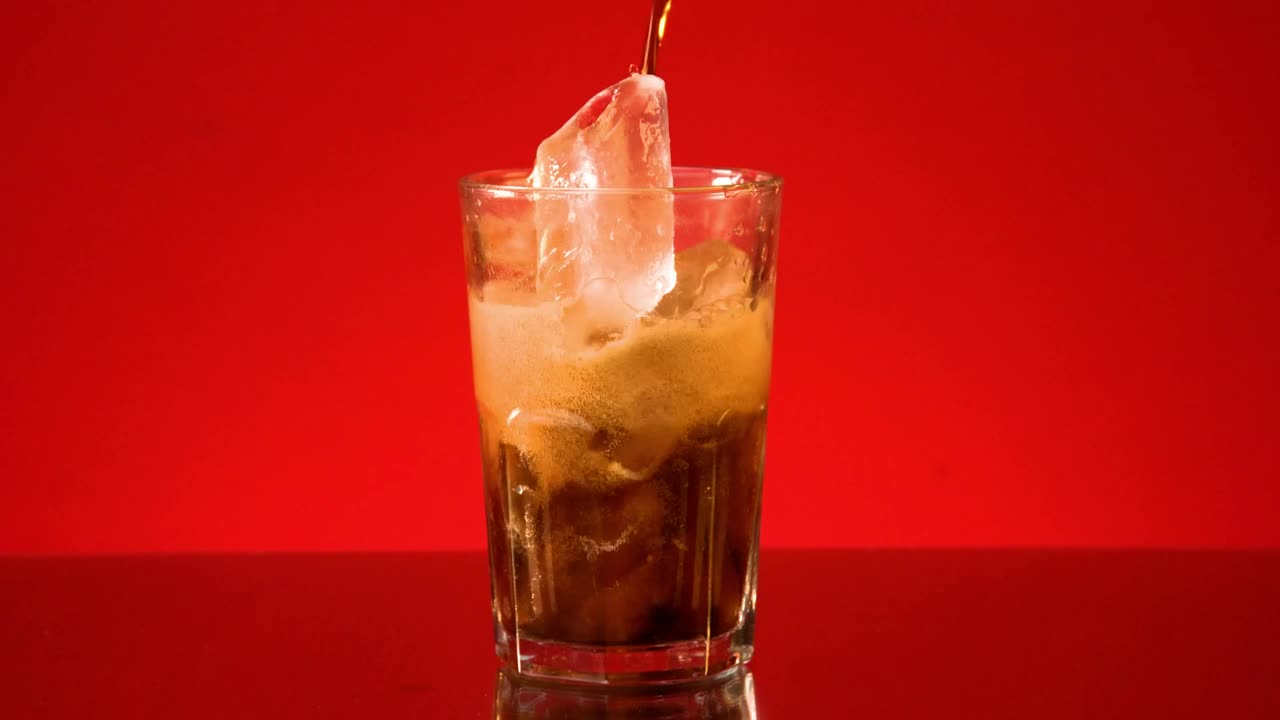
column 1027, row 279
column 845, row 634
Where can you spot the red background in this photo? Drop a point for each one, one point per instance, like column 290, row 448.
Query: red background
column 1029, row 290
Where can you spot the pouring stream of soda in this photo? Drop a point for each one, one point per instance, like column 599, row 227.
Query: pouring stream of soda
column 657, row 27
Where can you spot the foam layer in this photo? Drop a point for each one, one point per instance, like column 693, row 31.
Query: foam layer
column 609, row 414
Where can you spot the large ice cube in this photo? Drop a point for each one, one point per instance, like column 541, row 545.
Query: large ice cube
column 620, row 242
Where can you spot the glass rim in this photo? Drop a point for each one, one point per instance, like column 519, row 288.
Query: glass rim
column 731, row 182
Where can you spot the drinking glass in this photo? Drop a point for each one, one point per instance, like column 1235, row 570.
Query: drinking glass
column 623, row 447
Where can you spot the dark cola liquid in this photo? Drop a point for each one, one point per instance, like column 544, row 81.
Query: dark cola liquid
column 667, row 557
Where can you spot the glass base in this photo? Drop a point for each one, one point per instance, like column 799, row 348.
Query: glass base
column 677, row 662
column 730, row 696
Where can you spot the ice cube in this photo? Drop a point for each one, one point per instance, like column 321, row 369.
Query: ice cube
column 610, row 567
column 618, row 140
column 637, row 452
column 508, row 245
column 557, row 446
column 707, row 273
column 623, row 612
column 598, row 316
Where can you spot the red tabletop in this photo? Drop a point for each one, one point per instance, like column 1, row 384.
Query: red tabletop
column 880, row 633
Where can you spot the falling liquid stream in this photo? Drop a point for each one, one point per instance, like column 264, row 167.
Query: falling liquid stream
column 657, row 27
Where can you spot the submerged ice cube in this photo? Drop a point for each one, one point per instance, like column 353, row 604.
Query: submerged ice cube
column 557, row 445
column 618, row 241
column 560, row 447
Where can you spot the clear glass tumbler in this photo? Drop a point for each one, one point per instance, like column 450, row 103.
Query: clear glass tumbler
column 623, row 451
